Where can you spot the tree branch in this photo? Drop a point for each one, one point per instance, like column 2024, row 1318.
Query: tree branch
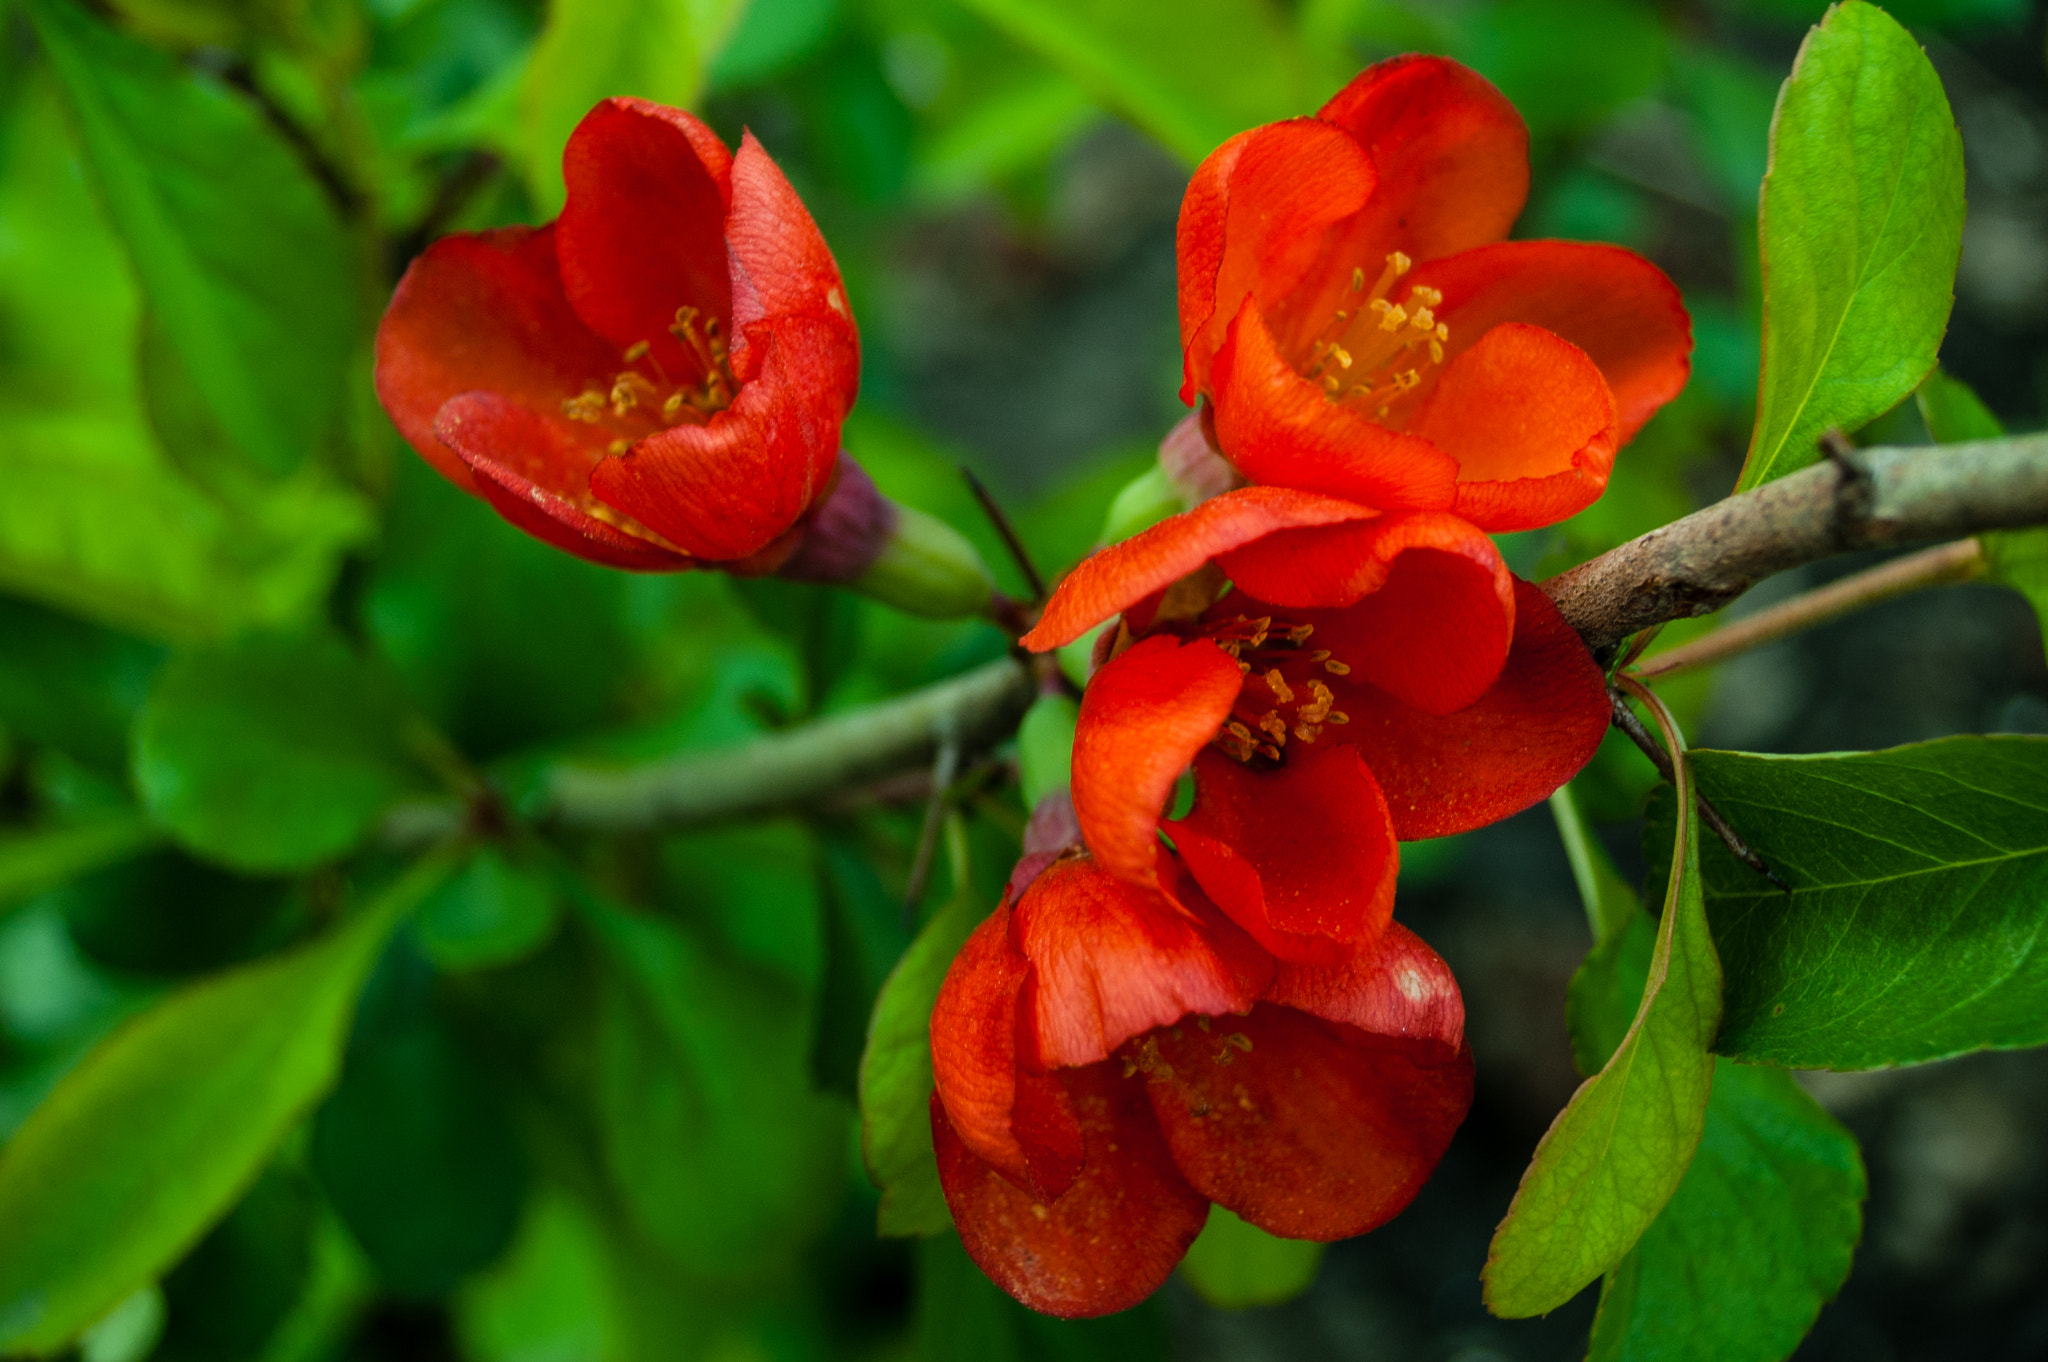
column 1867, row 498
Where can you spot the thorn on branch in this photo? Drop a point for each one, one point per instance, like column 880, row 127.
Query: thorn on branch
column 1625, row 719
column 1011, row 541
column 945, row 766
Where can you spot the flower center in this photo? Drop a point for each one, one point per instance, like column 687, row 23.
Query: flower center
column 642, row 397
column 1373, row 350
column 1284, row 695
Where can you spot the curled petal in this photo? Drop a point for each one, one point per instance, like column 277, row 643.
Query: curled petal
column 1393, row 985
column 781, row 266
column 1531, row 423
column 643, row 230
column 1124, row 574
column 482, row 312
column 1109, row 962
column 1280, row 428
column 1019, row 1123
column 1143, row 718
column 1302, row 857
column 726, row 489
column 1110, row 1240
column 535, row 470
column 1611, row 303
column 1529, row 733
column 1253, row 221
column 1306, row 1128
column 1430, row 606
column 1451, row 152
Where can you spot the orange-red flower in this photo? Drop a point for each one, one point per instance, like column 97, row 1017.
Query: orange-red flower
column 1393, row 378
column 1109, row 1061
column 656, row 379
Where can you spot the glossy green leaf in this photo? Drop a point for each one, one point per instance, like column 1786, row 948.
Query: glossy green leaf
column 493, row 912
column 721, row 1150
column 1219, row 66
column 1769, row 1210
column 1861, row 227
column 415, row 1148
column 273, row 753
column 1919, row 886
column 896, row 1069
column 1618, row 1150
column 242, row 257
column 2016, row 558
column 1233, row 1265
column 157, row 1132
column 1756, row 1239
column 594, row 49
column 31, row 862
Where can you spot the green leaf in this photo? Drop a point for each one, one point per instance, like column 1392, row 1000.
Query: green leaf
column 1233, row 1265
column 273, row 753
column 1861, row 227
column 1914, row 927
column 1617, row 1151
column 232, row 1292
column 415, row 1147
column 591, row 50
column 722, row 1152
column 492, row 913
column 94, row 521
column 896, row 1069
column 243, row 260
column 157, row 1132
column 31, row 862
column 2017, row 558
column 1756, row 1239
column 1005, row 131
column 1219, row 67
column 70, row 684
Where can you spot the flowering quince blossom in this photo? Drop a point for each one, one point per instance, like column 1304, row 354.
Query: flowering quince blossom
column 1392, row 379
column 656, row 379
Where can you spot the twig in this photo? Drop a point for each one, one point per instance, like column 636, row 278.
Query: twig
column 944, row 766
column 1957, row 562
column 451, row 196
column 1868, row 498
column 1008, row 531
column 1625, row 719
column 348, row 200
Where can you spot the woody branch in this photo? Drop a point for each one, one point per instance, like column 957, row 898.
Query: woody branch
column 1861, row 499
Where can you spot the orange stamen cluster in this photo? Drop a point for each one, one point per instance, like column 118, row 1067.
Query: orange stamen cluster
column 1141, row 1056
column 1374, row 350
column 1284, row 695
column 644, row 399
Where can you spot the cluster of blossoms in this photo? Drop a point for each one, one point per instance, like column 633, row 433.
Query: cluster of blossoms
column 1161, row 1014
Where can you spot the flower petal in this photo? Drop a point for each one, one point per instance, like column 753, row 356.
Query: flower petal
column 781, row 265
column 482, row 312
column 1451, row 152
column 1253, row 221
column 535, row 470
column 1302, row 857
column 1306, row 1128
column 726, row 489
column 1109, row 962
column 1017, row 1122
column 1110, row 1241
column 1429, row 606
column 643, row 230
column 1394, row 985
column 1124, row 574
column 1280, row 428
column 1532, row 730
column 1611, row 303
column 1531, row 423
column 1143, row 718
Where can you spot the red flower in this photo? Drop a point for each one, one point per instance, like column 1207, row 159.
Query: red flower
column 654, row 380
column 1394, row 378
column 1110, row 1061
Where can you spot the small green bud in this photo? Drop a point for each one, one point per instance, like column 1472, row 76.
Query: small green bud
column 1045, row 747
column 928, row 568
column 1145, row 501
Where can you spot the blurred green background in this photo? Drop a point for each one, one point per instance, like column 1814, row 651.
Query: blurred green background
column 596, row 1101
